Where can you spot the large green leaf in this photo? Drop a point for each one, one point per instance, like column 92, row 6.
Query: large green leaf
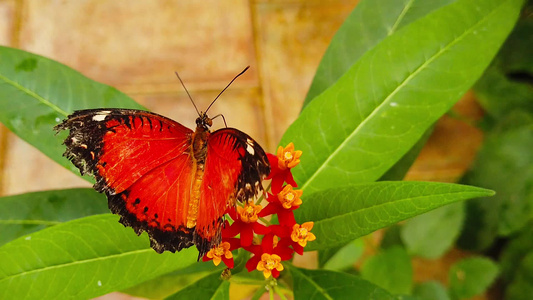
column 370, row 22
column 431, row 234
column 343, row 258
column 402, row 166
column 209, row 287
column 81, row 259
column 343, row 214
column 170, row 283
column 324, row 284
column 165, row 285
column 36, row 93
column 390, row 269
column 26, row 213
column 364, row 123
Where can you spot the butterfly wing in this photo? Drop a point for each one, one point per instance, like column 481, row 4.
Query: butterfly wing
column 142, row 161
column 234, row 168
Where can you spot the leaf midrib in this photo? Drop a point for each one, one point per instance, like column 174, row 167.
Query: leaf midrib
column 358, row 211
column 320, row 289
column 394, row 27
column 64, row 265
column 34, row 95
column 396, row 90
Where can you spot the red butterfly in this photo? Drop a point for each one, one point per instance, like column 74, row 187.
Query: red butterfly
column 163, row 178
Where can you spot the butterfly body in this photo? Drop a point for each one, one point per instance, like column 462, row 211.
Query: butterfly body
column 163, row 178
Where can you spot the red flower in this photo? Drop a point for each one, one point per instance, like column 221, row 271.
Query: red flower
column 270, row 264
column 281, row 165
column 222, row 252
column 268, row 256
column 245, row 223
column 283, row 204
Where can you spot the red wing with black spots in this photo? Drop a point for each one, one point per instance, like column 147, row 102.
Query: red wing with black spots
column 162, row 177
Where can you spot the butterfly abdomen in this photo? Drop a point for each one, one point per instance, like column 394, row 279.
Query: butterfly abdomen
column 198, row 155
column 192, row 212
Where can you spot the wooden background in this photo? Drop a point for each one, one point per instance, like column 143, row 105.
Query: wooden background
column 136, row 46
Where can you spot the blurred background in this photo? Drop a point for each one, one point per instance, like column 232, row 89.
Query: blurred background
column 136, row 46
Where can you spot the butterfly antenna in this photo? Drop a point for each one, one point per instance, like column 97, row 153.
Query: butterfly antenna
column 220, row 115
column 227, row 87
column 182, row 84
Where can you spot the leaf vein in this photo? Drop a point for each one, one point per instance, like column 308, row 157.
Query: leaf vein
column 33, row 94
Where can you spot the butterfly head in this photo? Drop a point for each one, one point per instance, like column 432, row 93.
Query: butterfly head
column 204, row 121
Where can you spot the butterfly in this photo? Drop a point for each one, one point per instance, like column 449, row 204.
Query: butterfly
column 162, row 177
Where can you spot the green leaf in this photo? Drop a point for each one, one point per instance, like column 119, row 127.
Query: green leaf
column 471, row 276
column 390, row 269
column 26, row 213
column 499, row 95
column 515, row 251
column 405, row 297
column 80, row 259
column 431, row 290
column 343, row 214
column 516, row 54
column 392, row 237
column 325, row 254
column 511, row 155
column 324, row 284
column 163, row 286
column 522, row 286
column 505, row 154
column 370, row 22
column 36, row 93
column 209, row 287
column 364, row 123
column 346, row 256
column 431, row 234
column 170, row 283
column 402, row 166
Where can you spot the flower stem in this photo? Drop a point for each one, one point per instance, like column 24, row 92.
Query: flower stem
column 280, row 294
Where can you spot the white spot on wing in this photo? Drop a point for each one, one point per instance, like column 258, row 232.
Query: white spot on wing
column 99, row 118
column 101, row 115
column 99, row 283
column 28, row 238
column 249, row 146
